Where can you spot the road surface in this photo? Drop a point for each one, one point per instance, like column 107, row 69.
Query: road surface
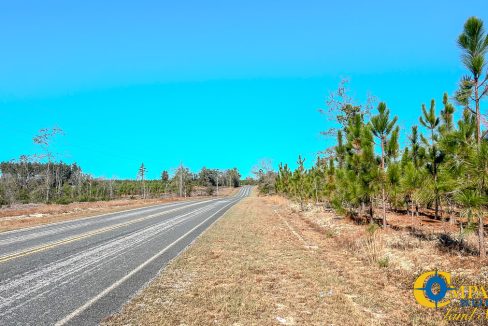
column 78, row 272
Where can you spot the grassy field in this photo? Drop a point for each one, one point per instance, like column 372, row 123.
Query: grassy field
column 266, row 263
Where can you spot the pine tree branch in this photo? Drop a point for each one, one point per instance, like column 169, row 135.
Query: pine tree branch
column 485, row 91
column 484, row 81
column 471, row 110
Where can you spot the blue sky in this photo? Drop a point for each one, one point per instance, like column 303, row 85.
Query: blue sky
column 214, row 83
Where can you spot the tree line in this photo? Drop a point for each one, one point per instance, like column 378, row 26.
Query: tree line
column 41, row 178
column 441, row 172
column 23, row 181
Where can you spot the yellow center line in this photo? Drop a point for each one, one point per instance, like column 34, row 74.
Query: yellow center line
column 44, row 247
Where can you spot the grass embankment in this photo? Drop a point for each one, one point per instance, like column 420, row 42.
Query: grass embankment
column 264, row 263
column 27, row 215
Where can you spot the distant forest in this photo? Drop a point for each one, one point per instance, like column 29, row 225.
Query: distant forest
column 28, row 181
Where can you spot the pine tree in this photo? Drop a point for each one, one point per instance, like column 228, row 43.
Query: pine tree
column 141, row 175
column 473, row 41
column 340, row 150
column 417, row 151
column 382, row 126
column 359, row 175
column 446, row 116
column 411, row 183
column 447, row 168
column 300, row 188
column 431, row 122
column 477, row 188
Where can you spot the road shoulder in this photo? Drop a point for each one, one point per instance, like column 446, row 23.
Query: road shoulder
column 259, row 265
column 29, row 215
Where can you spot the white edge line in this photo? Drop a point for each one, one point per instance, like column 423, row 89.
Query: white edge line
column 134, row 271
column 170, row 204
column 108, row 228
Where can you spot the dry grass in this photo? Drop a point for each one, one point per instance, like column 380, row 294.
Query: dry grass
column 26, row 215
column 265, row 264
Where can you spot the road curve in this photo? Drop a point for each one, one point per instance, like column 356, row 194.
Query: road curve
column 78, row 272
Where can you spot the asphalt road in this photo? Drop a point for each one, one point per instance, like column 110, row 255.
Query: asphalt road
column 78, row 272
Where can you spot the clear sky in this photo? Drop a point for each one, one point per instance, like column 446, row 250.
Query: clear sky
column 214, row 83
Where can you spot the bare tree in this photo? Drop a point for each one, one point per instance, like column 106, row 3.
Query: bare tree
column 44, row 139
column 264, row 166
column 217, row 182
column 181, row 179
column 341, row 106
column 111, row 187
column 265, row 176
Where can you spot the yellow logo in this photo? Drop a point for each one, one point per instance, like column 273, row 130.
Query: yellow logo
column 430, row 289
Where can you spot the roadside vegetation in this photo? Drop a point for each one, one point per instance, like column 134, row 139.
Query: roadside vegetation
column 440, row 174
column 267, row 262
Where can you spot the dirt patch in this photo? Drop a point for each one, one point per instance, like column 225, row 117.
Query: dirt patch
column 263, row 263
